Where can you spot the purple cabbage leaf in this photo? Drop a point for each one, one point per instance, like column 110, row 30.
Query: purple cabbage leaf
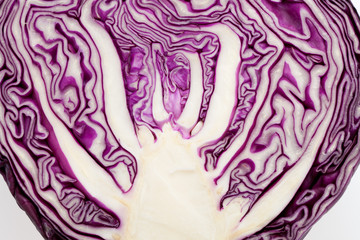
column 174, row 119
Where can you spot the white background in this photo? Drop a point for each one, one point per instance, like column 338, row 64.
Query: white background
column 341, row 222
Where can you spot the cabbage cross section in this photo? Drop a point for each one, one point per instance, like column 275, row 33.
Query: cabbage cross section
column 173, row 119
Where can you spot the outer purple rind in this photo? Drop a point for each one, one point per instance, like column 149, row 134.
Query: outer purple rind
column 45, row 227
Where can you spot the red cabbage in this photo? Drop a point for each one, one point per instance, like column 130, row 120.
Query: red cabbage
column 178, row 119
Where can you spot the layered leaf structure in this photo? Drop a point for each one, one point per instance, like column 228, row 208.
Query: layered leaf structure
column 174, row 119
